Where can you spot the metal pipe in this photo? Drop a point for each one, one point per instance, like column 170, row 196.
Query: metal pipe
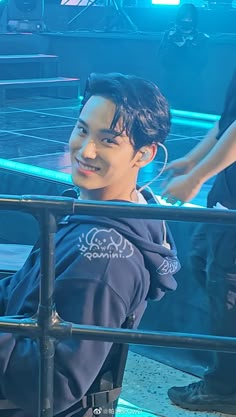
column 61, row 329
column 152, row 211
column 22, row 326
column 65, row 205
column 32, row 203
column 46, row 313
column 168, row 339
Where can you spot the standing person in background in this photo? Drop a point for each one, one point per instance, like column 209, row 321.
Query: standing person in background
column 213, row 254
column 182, row 59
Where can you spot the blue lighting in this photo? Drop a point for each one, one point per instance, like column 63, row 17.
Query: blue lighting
column 166, row 2
column 192, row 123
column 195, row 115
column 36, row 171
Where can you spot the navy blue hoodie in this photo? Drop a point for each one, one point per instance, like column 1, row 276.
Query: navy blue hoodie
column 105, row 270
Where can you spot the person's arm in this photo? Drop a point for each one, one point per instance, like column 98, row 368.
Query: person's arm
column 4, row 287
column 220, row 157
column 204, row 147
column 77, row 362
column 83, row 295
column 185, row 164
column 223, row 154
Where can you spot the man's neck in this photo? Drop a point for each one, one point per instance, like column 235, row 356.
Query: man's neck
column 106, row 195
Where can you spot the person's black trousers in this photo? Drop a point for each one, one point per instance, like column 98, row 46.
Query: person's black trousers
column 213, row 263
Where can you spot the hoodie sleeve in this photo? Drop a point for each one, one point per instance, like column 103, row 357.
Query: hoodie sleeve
column 4, row 288
column 88, row 300
column 163, row 266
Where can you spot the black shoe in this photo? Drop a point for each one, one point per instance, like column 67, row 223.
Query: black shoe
column 196, row 397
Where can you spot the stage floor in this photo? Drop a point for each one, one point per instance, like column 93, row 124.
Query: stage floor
column 145, row 385
column 36, row 132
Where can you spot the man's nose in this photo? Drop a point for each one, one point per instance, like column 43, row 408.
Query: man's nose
column 88, row 149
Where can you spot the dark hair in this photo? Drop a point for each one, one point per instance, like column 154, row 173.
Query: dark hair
column 187, row 10
column 139, row 104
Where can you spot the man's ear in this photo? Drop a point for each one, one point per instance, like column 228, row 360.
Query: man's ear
column 145, row 155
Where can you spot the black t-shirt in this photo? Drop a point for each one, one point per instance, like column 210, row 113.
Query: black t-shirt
column 224, row 187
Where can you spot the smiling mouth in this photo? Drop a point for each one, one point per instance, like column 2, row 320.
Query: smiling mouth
column 86, row 167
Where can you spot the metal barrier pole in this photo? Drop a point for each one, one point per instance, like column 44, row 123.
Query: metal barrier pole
column 46, row 313
column 65, row 205
column 48, row 328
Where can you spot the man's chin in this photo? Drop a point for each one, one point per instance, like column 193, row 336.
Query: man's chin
column 84, row 183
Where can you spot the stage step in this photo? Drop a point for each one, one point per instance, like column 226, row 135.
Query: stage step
column 36, row 83
column 16, row 59
column 39, row 82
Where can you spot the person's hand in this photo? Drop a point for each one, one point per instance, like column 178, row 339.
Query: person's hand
column 181, row 189
column 178, row 167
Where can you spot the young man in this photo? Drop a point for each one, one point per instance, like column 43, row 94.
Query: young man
column 105, row 269
column 213, row 253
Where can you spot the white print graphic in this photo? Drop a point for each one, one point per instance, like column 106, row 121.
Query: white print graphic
column 104, row 243
column 97, row 411
column 168, row 266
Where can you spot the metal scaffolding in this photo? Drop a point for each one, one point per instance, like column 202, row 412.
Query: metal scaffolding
column 48, row 328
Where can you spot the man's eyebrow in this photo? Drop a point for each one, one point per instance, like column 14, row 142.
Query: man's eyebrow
column 82, row 122
column 110, row 131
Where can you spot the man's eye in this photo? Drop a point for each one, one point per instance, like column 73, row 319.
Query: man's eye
column 109, row 141
column 81, row 130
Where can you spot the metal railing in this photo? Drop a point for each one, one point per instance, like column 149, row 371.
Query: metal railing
column 47, row 327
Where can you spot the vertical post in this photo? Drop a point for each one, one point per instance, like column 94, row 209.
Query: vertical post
column 46, row 313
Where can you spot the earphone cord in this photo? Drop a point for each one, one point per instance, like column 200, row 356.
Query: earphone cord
column 161, row 171
column 156, row 199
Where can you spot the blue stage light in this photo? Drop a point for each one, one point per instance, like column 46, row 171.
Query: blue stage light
column 166, row 2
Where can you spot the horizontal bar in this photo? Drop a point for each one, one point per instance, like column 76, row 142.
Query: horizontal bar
column 152, row 211
column 29, row 327
column 167, row 339
column 23, row 326
column 62, row 329
column 32, row 203
column 65, row 205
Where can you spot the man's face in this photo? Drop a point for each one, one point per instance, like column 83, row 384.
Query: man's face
column 100, row 159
